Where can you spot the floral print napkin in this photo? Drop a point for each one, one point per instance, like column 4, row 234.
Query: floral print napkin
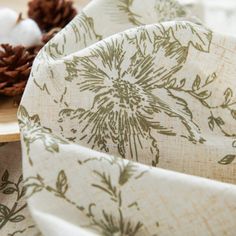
column 128, row 125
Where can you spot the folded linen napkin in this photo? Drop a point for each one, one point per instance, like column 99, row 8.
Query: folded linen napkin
column 127, row 88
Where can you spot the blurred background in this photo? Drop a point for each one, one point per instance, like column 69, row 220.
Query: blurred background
column 220, row 15
column 22, row 4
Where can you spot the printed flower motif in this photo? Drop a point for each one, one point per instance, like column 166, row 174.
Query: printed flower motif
column 33, row 131
column 127, row 79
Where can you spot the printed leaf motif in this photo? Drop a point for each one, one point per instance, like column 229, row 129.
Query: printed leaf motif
column 219, row 121
column 5, row 176
column 24, row 118
column 227, row 160
column 3, row 185
column 233, row 113
column 62, row 184
column 211, row 123
column 106, row 185
column 126, row 173
column 204, row 94
column 228, row 96
column 211, row 78
column 4, row 210
column 9, row 190
column 197, row 83
column 51, row 145
column 22, row 112
column 33, row 188
column 17, row 219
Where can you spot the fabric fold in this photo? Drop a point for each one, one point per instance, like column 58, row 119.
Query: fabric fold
column 128, row 88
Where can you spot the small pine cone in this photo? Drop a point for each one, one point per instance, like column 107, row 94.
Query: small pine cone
column 48, row 36
column 34, row 50
column 15, row 67
column 51, row 13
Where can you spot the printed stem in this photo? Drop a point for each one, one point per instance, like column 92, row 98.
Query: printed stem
column 9, row 215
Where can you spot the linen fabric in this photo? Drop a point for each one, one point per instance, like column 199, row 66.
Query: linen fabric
column 15, row 218
column 128, row 125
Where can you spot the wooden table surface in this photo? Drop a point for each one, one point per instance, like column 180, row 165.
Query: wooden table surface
column 9, row 130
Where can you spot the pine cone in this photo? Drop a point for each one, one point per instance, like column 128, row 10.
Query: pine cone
column 48, row 36
column 51, row 13
column 15, row 66
column 34, row 50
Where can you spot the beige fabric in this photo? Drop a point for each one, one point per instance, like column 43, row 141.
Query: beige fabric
column 125, row 86
column 14, row 215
